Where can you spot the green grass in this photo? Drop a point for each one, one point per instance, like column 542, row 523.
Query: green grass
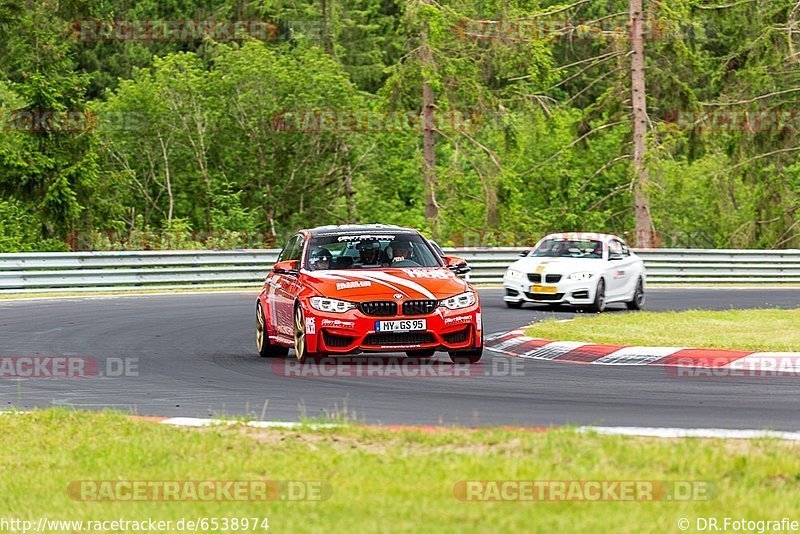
column 382, row 480
column 764, row 330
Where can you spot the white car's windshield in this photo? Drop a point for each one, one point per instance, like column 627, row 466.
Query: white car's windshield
column 569, row 248
column 351, row 251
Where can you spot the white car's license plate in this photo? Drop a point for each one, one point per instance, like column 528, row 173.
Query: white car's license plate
column 409, row 325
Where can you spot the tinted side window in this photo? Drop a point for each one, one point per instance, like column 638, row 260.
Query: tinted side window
column 286, row 253
column 614, row 247
column 296, row 250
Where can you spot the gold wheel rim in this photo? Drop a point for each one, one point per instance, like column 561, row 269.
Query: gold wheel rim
column 299, row 334
column 259, row 328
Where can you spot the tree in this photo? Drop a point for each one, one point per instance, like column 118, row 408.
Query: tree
column 54, row 163
column 644, row 222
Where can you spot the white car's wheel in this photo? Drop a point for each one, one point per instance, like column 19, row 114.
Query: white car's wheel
column 599, row 304
column 637, row 303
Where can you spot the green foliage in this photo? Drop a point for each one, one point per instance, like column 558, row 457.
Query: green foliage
column 205, row 144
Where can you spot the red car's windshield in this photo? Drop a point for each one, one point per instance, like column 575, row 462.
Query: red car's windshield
column 360, row 251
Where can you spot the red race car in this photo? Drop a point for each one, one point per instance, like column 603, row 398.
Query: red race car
column 367, row 288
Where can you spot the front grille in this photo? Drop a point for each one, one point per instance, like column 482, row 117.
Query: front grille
column 385, row 308
column 456, row 337
column 545, row 296
column 399, row 338
column 535, row 278
column 419, row 307
column 332, row 340
column 552, row 278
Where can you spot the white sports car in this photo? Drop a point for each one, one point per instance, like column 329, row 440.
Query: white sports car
column 586, row 270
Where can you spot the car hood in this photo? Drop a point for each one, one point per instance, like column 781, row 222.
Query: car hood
column 358, row 285
column 558, row 265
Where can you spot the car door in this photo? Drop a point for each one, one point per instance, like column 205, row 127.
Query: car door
column 283, row 287
column 292, row 285
column 621, row 269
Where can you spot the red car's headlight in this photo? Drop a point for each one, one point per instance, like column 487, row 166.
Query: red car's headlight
column 462, row 300
column 331, row 305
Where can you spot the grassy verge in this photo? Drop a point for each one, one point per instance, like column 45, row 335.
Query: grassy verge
column 384, row 480
column 764, row 330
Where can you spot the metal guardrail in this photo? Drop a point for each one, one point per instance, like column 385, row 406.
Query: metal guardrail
column 97, row 271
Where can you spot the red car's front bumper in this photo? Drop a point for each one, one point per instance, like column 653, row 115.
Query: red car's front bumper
column 353, row 332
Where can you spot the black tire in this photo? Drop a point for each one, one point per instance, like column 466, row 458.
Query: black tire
column 263, row 346
column 421, row 354
column 467, row 356
column 514, row 305
column 638, row 297
column 300, row 346
column 599, row 304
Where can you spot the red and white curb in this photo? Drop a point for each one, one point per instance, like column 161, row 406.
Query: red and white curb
column 516, row 343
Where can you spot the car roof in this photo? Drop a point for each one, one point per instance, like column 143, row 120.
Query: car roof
column 359, row 228
column 584, row 235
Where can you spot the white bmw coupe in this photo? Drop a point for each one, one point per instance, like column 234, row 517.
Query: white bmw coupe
column 584, row 270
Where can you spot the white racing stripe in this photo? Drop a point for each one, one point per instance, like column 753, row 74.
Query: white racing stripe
column 403, row 282
column 396, row 283
column 353, row 277
column 386, row 284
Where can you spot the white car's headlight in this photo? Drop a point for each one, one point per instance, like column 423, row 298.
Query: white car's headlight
column 463, row 300
column 331, row 305
column 514, row 275
column 580, row 276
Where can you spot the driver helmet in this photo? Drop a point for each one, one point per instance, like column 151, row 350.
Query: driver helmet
column 401, row 249
column 369, row 251
column 320, row 258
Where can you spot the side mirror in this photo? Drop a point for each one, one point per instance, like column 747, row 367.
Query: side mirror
column 291, row 267
column 456, row 264
column 615, row 257
column 524, row 253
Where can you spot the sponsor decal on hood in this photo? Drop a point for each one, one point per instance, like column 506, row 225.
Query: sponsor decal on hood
column 430, row 273
column 353, row 285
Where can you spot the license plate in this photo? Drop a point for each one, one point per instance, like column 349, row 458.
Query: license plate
column 543, row 289
column 409, row 325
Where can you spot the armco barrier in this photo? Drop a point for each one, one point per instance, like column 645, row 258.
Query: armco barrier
column 97, row 271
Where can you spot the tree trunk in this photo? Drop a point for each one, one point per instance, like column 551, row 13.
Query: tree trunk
column 349, row 189
column 167, row 180
column 429, row 133
column 641, row 200
column 327, row 38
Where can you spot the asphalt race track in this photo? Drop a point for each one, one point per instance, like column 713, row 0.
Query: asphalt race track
column 194, row 355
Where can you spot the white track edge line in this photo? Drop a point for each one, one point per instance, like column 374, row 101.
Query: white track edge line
column 658, row 432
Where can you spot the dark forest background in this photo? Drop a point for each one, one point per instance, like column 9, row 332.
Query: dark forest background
column 488, row 122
